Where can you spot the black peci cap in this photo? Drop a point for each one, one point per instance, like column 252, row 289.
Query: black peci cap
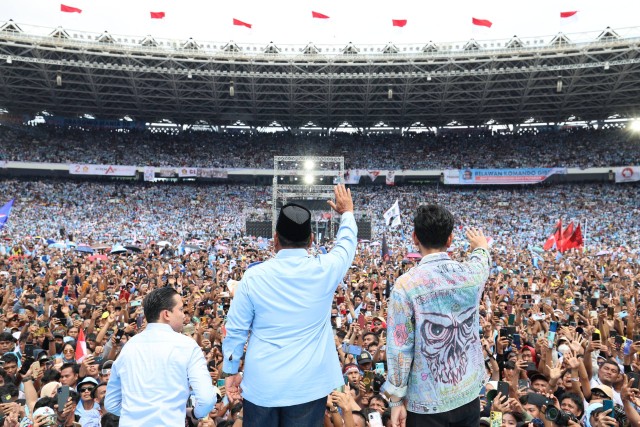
column 294, row 223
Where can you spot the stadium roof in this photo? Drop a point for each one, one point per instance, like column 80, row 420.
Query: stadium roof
column 107, row 76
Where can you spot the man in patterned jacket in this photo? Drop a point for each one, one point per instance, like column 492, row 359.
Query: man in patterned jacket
column 434, row 355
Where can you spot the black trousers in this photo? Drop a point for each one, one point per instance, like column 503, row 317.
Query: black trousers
column 465, row 416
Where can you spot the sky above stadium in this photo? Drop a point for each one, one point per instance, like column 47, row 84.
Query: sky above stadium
column 357, row 21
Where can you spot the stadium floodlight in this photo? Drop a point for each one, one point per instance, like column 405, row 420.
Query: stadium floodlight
column 606, row 65
column 308, row 179
column 59, row 79
column 308, row 165
column 232, row 90
column 559, row 85
column 635, row 125
column 9, row 60
column 390, row 93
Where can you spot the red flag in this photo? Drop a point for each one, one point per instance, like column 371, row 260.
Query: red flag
column 69, row 9
column 81, row 347
column 564, row 237
column 319, row 15
column 481, row 22
column 575, row 241
column 240, row 23
column 555, row 236
column 157, row 15
column 568, row 14
column 399, row 22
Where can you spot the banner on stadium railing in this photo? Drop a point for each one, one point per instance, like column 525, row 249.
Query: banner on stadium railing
column 187, row 172
column 500, row 176
column 352, row 176
column 104, row 170
column 212, row 173
column 391, row 178
column 628, row 174
column 149, row 173
column 3, row 164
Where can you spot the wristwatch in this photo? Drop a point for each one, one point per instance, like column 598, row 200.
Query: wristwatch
column 224, row 375
column 393, row 404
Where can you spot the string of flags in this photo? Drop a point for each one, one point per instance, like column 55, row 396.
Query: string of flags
column 476, row 22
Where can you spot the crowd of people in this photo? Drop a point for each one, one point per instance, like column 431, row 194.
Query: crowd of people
column 192, row 238
column 448, row 149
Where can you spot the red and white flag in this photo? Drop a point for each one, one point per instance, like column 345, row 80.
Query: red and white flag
column 481, row 22
column 81, row 347
column 241, row 23
column 319, row 15
column 399, row 22
column 569, row 17
column 157, row 15
column 69, row 9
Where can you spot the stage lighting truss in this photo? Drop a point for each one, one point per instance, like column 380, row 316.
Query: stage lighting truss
column 309, row 171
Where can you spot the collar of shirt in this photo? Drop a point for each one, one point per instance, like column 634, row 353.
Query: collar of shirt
column 292, row 253
column 158, row 326
column 438, row 256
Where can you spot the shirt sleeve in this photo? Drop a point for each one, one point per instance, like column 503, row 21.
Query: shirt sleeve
column 344, row 251
column 400, row 342
column 239, row 322
column 113, row 398
column 200, row 382
column 480, row 262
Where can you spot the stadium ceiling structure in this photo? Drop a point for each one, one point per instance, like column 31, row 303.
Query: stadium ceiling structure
column 472, row 83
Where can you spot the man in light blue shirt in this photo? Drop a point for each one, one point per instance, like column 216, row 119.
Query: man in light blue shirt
column 291, row 364
column 150, row 380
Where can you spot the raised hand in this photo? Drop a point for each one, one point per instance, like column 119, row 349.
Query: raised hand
column 344, row 202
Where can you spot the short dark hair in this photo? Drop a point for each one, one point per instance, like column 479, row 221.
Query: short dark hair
column 575, row 398
column 433, row 225
column 9, row 358
column 50, row 375
column 286, row 243
column 74, row 366
column 9, row 389
column 379, row 398
column 157, row 301
column 45, row 402
column 109, row 420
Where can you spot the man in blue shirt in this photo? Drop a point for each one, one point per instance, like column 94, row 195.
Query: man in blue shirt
column 291, row 364
column 150, row 380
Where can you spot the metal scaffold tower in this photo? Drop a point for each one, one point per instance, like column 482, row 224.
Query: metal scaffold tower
column 305, row 177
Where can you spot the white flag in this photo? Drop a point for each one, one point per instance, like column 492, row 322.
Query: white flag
column 396, row 222
column 394, row 211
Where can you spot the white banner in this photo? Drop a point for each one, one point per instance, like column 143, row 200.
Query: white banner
column 3, row 164
column 352, row 176
column 107, row 170
column 149, row 173
column 187, row 172
column 213, row 173
column 391, row 178
column 628, row 174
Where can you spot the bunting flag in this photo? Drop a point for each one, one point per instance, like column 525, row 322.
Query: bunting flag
column 69, row 9
column 481, row 22
column 241, row 23
column 5, row 211
column 391, row 178
column 157, row 15
column 318, row 15
column 399, row 22
column 81, row 347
